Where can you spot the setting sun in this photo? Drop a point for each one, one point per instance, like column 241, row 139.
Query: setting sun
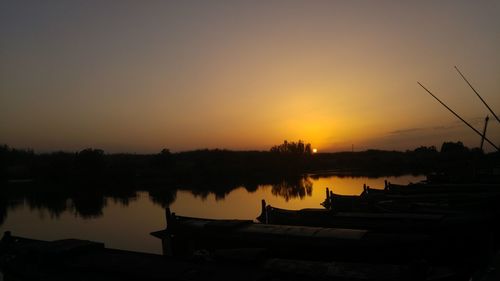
column 116, row 116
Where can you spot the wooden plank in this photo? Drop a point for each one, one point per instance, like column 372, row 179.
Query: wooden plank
column 302, row 231
column 389, row 216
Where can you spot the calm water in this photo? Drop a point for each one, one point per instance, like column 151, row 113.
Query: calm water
column 125, row 222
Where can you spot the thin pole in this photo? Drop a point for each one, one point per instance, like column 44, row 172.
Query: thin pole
column 264, row 211
column 484, row 131
column 479, row 96
column 466, row 123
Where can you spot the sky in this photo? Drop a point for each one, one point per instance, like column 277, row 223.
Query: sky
column 140, row 76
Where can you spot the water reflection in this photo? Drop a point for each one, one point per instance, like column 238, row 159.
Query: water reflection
column 106, row 214
column 299, row 188
column 287, row 188
column 82, row 204
column 163, row 197
column 56, row 203
column 90, row 203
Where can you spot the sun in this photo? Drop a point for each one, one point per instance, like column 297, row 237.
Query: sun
column 315, row 150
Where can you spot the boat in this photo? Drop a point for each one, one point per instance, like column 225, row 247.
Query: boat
column 460, row 230
column 415, row 188
column 380, row 221
column 424, row 199
column 73, row 259
column 185, row 235
column 363, row 201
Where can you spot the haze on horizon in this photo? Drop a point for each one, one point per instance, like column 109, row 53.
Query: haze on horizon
column 133, row 76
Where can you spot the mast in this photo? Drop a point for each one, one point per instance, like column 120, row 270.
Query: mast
column 484, row 131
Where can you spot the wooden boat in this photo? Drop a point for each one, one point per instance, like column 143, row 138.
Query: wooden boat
column 351, row 202
column 375, row 200
column 380, row 221
column 440, row 227
column 416, row 188
column 73, row 259
column 185, row 235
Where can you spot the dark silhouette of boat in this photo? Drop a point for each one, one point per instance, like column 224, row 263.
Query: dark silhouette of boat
column 187, row 235
column 411, row 222
column 73, row 259
column 423, row 198
column 424, row 187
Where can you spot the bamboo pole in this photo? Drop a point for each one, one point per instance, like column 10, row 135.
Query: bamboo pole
column 458, row 116
column 478, row 95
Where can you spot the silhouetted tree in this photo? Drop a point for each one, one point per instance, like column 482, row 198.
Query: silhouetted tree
column 296, row 148
column 163, row 159
column 425, row 150
column 91, row 161
column 4, row 150
column 454, row 147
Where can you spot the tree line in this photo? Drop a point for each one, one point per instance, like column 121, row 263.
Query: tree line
column 218, row 165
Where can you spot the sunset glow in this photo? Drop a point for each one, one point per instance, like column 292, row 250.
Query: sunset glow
column 270, row 140
column 244, row 75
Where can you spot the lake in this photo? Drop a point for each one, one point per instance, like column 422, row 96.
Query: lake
column 124, row 221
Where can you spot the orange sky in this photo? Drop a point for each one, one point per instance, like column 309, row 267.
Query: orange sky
column 135, row 77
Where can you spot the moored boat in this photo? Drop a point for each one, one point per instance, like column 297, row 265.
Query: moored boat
column 73, row 259
column 418, row 198
column 185, row 235
column 380, row 221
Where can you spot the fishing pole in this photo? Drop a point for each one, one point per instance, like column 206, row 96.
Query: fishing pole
column 479, row 96
column 466, row 123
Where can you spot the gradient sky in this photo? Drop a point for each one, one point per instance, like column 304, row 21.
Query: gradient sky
column 139, row 76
